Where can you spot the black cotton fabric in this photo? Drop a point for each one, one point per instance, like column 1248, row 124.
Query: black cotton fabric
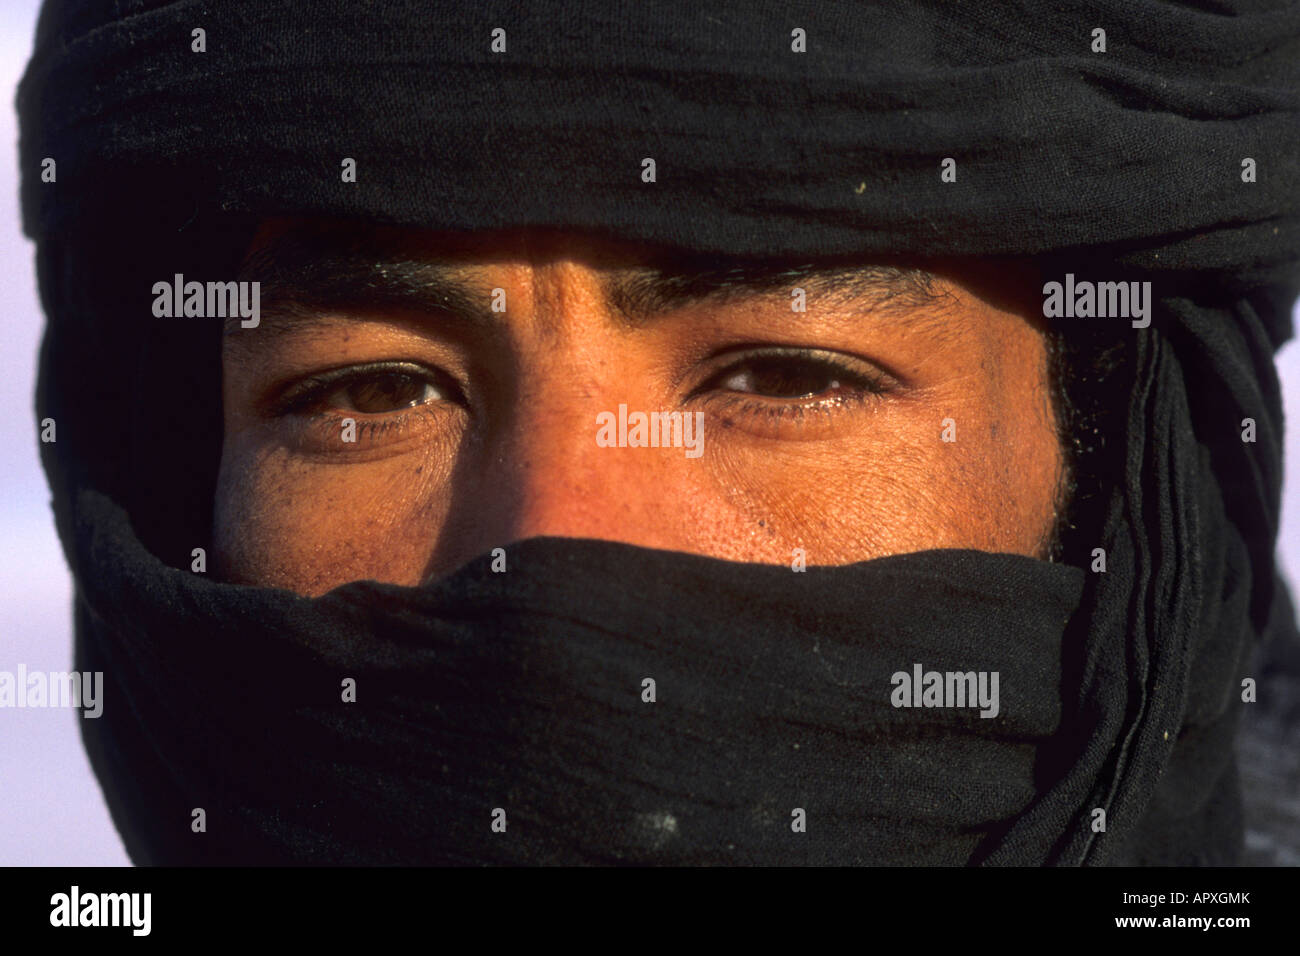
column 522, row 691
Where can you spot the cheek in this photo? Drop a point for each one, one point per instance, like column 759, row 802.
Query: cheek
column 1006, row 466
column 893, row 486
column 896, row 488
column 897, row 485
column 283, row 522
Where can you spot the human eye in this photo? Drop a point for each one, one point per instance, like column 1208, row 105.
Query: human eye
column 793, row 382
column 385, row 401
column 373, row 389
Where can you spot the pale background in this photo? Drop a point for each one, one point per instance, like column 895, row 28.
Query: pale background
column 51, row 810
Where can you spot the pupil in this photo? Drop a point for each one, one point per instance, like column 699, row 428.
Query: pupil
column 383, row 393
column 789, row 379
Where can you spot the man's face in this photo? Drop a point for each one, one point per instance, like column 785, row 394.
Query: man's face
column 822, row 430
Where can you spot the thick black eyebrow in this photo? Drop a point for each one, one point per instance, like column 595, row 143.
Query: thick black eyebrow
column 303, row 275
column 640, row 293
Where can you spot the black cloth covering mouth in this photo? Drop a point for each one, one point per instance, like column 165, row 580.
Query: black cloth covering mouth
column 521, row 691
column 526, row 692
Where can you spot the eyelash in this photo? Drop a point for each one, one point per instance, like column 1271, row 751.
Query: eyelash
column 302, row 397
column 368, row 432
column 865, row 385
column 858, row 386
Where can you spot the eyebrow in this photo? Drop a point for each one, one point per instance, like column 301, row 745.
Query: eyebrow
column 305, row 275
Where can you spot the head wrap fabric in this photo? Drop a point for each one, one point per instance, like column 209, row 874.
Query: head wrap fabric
column 1124, row 164
column 492, row 690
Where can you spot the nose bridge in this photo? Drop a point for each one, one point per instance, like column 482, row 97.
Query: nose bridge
column 559, row 480
column 549, row 474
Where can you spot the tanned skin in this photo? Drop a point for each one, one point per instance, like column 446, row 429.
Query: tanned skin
column 822, row 430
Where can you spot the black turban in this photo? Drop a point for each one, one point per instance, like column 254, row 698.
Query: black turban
column 1165, row 148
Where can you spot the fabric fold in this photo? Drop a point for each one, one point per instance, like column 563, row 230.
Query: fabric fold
column 773, row 692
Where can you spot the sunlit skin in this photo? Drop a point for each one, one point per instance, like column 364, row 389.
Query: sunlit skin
column 822, row 430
